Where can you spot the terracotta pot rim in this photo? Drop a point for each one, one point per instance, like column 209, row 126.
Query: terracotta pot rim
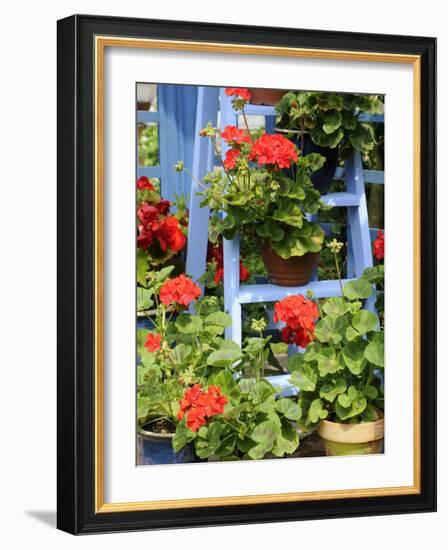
column 363, row 432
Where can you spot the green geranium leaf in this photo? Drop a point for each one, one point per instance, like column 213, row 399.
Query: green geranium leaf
column 264, row 435
column 142, row 267
column 327, row 362
column 357, row 290
column 208, row 440
column 350, row 404
column 228, row 353
column 287, row 440
column 336, row 307
column 332, row 121
column 289, row 408
column 331, row 329
column 295, row 361
column 374, row 351
column 219, row 318
column 331, row 390
column 188, row 323
column 316, row 412
column 288, row 212
column 353, row 354
column 364, row 321
column 144, row 300
column 183, row 436
column 304, row 378
column 370, row 392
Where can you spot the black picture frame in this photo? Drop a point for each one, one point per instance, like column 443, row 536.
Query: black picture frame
column 76, row 253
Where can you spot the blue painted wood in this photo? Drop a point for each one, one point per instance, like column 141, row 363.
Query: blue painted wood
column 370, row 176
column 202, row 162
column 231, row 248
column 251, row 294
column 177, row 113
column 147, row 117
column 149, row 171
column 359, row 248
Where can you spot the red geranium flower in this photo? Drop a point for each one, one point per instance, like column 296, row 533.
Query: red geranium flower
column 378, row 246
column 301, row 337
column 147, row 213
column 231, row 157
column 274, row 150
column 144, row 183
column 299, row 314
column 170, row 235
column 242, row 93
column 180, row 290
column 199, row 405
column 153, row 342
column 235, row 136
column 216, row 253
column 244, row 272
column 163, row 206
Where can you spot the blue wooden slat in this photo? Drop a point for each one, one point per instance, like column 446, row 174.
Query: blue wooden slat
column 202, row 162
column 370, row 176
column 231, row 248
column 251, row 294
column 365, row 117
column 357, row 217
column 374, row 176
column 177, row 113
column 147, row 117
column 149, row 171
column 341, row 199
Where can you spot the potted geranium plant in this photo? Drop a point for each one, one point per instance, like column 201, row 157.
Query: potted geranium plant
column 328, row 123
column 257, row 96
column 260, row 200
column 340, row 373
column 180, row 350
column 238, row 419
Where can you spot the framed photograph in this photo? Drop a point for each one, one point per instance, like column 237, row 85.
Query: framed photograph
column 246, row 274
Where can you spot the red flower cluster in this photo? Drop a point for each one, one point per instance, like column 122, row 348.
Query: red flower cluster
column 155, row 224
column 199, row 405
column 235, row 136
column 275, row 150
column 299, row 314
column 242, row 93
column 378, row 246
column 232, row 156
column 181, row 290
column 153, row 342
column 216, row 253
column 144, row 183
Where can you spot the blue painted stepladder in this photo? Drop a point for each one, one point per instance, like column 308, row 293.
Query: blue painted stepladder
column 354, row 199
column 175, row 117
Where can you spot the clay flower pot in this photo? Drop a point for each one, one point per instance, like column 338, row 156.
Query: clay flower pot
column 266, row 96
column 366, row 438
column 295, row 271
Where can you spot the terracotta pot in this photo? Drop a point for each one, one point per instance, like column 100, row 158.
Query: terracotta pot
column 366, row 438
column 295, row 271
column 266, row 96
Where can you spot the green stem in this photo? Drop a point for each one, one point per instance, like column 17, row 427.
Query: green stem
column 195, row 179
column 338, row 272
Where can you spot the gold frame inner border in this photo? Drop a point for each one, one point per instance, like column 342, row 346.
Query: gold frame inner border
column 101, row 43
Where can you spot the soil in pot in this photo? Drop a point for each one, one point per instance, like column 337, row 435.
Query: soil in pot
column 323, row 177
column 266, row 96
column 295, row 271
column 352, row 439
column 154, row 446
